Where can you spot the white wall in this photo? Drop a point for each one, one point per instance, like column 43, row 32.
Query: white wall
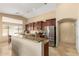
column 68, row 10
column 42, row 17
column 0, row 28
column 77, row 35
column 77, row 30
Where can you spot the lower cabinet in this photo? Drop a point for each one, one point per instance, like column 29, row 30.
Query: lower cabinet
column 46, row 49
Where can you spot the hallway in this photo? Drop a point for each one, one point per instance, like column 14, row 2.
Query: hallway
column 67, row 39
column 65, row 49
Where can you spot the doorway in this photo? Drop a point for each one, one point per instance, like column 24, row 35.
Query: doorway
column 67, row 37
column 67, row 33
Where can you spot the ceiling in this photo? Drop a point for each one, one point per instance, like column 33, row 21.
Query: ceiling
column 27, row 10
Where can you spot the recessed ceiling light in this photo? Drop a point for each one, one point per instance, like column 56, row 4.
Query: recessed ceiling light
column 45, row 3
column 28, row 11
column 17, row 13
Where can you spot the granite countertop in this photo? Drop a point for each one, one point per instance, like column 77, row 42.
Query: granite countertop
column 39, row 39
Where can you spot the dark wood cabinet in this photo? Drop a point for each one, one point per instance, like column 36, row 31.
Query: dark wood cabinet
column 40, row 24
column 51, row 22
column 31, row 26
column 46, row 49
column 44, row 23
column 26, row 27
column 34, row 25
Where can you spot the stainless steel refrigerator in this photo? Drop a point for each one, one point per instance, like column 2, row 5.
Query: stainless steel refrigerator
column 51, row 35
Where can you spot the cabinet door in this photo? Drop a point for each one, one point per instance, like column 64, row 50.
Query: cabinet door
column 27, row 27
column 51, row 22
column 31, row 26
column 40, row 25
column 44, row 25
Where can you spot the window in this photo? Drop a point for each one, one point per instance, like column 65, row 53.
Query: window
column 5, row 29
column 12, row 27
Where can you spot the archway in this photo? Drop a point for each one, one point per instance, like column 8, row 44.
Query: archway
column 67, row 32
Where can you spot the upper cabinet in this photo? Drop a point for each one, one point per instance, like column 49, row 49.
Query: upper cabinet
column 29, row 26
column 26, row 27
column 51, row 22
column 40, row 24
column 35, row 26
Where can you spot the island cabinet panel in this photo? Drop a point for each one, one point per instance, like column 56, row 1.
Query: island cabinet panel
column 30, row 47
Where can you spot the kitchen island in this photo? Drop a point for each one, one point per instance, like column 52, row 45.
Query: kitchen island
column 23, row 46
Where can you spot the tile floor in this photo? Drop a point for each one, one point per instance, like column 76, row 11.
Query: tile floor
column 63, row 50
column 5, row 50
